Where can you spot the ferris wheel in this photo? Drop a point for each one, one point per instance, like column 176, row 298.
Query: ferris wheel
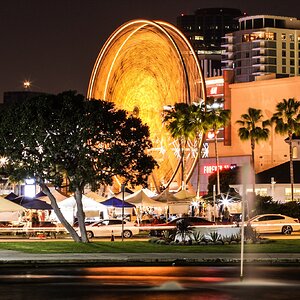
column 145, row 67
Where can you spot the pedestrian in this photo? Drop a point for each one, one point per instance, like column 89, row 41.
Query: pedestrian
column 226, row 215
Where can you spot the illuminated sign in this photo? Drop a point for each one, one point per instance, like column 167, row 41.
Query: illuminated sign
column 210, row 169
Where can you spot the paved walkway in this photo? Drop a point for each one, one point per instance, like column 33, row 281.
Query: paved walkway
column 16, row 257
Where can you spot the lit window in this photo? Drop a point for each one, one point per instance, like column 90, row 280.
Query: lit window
column 199, row 38
column 292, row 37
column 295, row 152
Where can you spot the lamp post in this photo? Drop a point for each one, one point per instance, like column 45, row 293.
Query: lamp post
column 214, row 199
column 245, row 174
column 123, row 196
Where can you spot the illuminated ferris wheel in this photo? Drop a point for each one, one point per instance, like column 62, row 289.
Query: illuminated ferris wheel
column 146, row 67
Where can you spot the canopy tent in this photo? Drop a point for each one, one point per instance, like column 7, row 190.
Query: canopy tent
column 58, row 196
column 140, row 198
column 11, row 196
column 165, row 196
column 116, row 202
column 9, row 211
column 32, row 203
column 9, row 206
column 95, row 196
column 184, row 194
column 91, row 208
column 115, row 208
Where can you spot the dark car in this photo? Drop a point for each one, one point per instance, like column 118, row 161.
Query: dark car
column 192, row 221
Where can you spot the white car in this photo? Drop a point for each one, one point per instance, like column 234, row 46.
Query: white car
column 109, row 227
column 271, row 223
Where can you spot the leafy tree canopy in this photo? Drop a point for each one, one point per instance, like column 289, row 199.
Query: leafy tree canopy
column 89, row 142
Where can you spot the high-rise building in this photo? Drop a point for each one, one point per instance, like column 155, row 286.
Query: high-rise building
column 205, row 29
column 263, row 45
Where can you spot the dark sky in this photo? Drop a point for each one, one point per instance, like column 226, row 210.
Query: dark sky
column 54, row 43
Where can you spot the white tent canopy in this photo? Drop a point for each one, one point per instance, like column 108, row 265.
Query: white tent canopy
column 9, row 211
column 9, row 206
column 141, row 198
column 91, row 208
column 58, row 196
column 95, row 196
column 184, row 194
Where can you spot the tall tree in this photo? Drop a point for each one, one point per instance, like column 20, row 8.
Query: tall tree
column 177, row 122
column 287, row 121
column 250, row 130
column 199, row 127
column 88, row 142
column 217, row 117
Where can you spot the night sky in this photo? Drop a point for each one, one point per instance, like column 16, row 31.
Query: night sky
column 54, row 44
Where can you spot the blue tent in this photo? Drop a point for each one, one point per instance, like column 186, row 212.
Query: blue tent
column 116, row 202
column 32, row 203
column 11, row 196
column 40, row 194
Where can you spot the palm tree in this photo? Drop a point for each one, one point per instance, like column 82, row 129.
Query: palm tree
column 250, row 130
column 217, row 118
column 286, row 119
column 199, row 128
column 177, row 122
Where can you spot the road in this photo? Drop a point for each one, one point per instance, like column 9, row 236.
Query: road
column 279, row 236
column 148, row 283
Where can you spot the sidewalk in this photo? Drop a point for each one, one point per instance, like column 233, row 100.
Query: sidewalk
column 9, row 257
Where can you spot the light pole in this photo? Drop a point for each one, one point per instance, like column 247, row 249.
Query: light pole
column 123, row 196
column 245, row 174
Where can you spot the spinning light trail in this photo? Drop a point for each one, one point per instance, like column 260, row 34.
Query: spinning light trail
column 143, row 67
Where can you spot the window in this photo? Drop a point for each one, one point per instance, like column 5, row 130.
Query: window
column 284, row 70
column 292, row 46
column 292, row 70
column 248, row 24
column 283, row 36
column 292, row 54
column 284, row 61
column 243, row 26
column 269, row 22
column 258, row 23
column 275, row 218
column 292, row 62
column 288, row 194
column 199, row 38
column 283, row 53
column 283, row 45
column 295, row 152
column 292, row 37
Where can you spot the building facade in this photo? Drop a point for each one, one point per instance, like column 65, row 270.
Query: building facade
column 205, row 29
column 264, row 95
column 263, row 45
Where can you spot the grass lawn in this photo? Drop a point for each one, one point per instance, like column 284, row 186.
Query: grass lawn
column 276, row 246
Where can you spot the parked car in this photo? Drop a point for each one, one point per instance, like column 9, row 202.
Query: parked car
column 106, row 228
column 158, row 229
column 272, row 223
column 193, row 221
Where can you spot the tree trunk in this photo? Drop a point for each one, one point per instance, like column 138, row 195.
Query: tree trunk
column 217, row 163
column 200, row 142
column 253, row 166
column 291, row 166
column 80, row 215
column 182, row 164
column 60, row 216
column 198, row 169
